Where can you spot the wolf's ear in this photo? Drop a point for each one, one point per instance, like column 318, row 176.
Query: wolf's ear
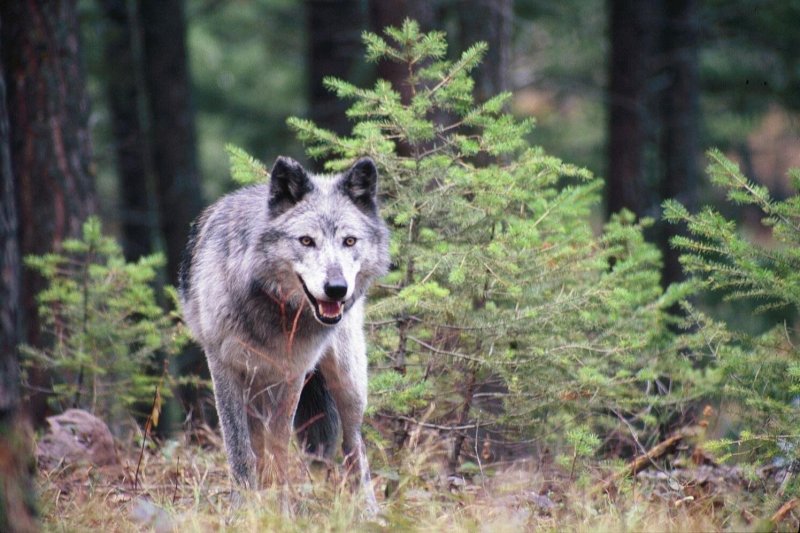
column 360, row 184
column 288, row 184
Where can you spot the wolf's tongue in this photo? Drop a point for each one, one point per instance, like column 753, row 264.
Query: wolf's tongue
column 330, row 309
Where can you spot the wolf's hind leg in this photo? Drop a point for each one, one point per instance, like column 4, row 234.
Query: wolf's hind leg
column 316, row 420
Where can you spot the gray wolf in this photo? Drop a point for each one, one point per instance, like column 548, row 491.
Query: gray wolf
column 273, row 286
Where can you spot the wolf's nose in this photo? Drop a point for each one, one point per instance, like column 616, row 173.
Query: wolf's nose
column 336, row 289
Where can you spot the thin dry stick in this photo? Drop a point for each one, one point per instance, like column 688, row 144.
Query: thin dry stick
column 144, row 441
column 177, row 475
column 148, row 425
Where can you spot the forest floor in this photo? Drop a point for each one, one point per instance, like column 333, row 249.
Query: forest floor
column 182, row 485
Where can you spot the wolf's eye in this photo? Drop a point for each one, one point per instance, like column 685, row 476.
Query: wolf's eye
column 305, row 240
column 350, row 241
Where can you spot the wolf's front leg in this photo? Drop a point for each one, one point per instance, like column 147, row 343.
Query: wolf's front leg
column 229, row 392
column 272, row 407
column 345, row 371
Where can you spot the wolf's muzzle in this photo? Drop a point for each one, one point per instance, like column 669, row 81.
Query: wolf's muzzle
column 328, row 312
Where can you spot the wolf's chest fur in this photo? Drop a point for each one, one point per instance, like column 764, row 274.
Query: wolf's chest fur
column 279, row 333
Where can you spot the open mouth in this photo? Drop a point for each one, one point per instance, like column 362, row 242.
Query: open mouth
column 327, row 311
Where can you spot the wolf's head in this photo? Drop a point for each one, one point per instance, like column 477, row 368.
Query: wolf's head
column 325, row 236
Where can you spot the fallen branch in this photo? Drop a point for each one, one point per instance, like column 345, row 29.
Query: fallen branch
column 785, row 509
column 646, row 460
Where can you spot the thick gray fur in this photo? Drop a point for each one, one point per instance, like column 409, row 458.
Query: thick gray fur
column 241, row 288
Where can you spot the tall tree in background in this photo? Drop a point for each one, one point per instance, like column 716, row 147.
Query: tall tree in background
column 16, row 490
column 632, row 35
column 125, row 99
column 173, row 139
column 49, row 138
column 383, row 14
column 335, row 49
column 679, row 118
column 171, row 119
column 653, row 111
column 493, row 26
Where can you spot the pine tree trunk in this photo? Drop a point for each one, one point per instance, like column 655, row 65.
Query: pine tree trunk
column 9, row 270
column 171, row 119
column 125, row 100
column 679, row 143
column 174, row 162
column 334, row 32
column 17, row 509
column 630, row 34
column 393, row 13
column 49, row 139
column 493, row 26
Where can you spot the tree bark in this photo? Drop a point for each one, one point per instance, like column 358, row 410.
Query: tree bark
column 383, row 14
column 126, row 101
column 493, row 26
column 49, row 141
column 49, row 114
column 679, row 142
column 172, row 137
column 17, row 510
column 631, row 33
column 171, row 119
column 10, row 326
column 335, row 49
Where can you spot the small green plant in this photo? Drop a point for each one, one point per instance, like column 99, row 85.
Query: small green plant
column 584, row 445
column 760, row 374
column 105, row 327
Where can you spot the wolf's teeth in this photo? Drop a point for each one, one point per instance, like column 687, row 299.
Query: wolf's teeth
column 330, row 309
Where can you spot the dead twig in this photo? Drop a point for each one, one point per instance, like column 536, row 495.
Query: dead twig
column 152, row 420
column 177, row 476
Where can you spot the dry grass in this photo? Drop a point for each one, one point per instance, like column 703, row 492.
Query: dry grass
column 184, row 487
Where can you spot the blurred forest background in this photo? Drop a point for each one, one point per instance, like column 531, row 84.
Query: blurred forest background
column 123, row 108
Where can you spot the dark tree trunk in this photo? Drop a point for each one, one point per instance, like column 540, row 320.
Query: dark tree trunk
column 17, row 509
column 493, row 26
column 383, row 13
column 679, row 141
column 172, row 137
column 171, row 119
column 10, row 326
column 631, row 34
column 125, row 101
column 334, row 32
column 49, row 141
